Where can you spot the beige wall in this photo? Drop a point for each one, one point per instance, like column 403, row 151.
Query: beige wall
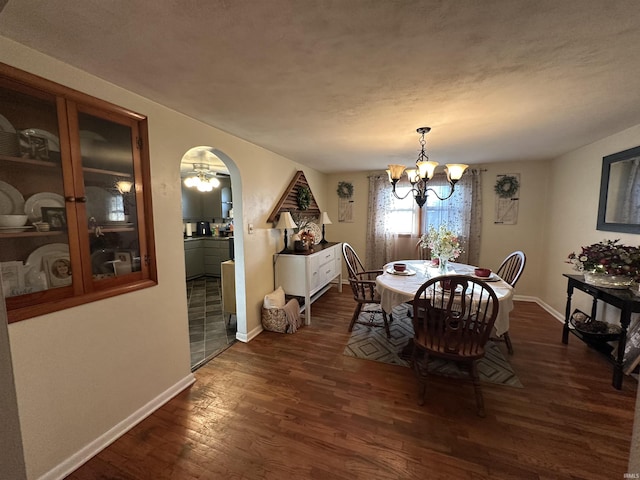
column 353, row 233
column 80, row 372
column 528, row 233
column 574, row 187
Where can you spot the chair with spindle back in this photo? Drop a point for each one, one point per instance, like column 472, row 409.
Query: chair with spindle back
column 510, row 271
column 452, row 320
column 363, row 284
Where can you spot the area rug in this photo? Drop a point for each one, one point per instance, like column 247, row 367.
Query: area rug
column 371, row 343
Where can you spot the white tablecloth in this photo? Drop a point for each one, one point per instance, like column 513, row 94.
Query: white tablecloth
column 395, row 290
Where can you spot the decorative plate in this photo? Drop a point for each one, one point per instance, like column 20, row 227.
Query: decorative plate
column 34, row 204
column 5, row 125
column 408, row 272
column 316, row 231
column 491, row 278
column 11, row 200
column 35, row 258
column 16, row 229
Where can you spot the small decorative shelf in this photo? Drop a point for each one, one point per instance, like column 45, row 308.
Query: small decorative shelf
column 289, row 200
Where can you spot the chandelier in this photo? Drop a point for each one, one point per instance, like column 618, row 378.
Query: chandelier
column 420, row 176
column 202, row 179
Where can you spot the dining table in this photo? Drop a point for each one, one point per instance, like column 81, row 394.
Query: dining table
column 396, row 288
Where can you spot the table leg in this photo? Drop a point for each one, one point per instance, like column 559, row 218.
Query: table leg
column 625, row 319
column 567, row 315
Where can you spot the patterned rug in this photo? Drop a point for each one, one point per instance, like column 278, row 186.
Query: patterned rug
column 372, row 344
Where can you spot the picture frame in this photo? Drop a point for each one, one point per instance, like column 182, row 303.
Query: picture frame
column 56, row 217
column 618, row 204
column 122, row 263
column 58, row 269
column 632, row 348
column 12, row 278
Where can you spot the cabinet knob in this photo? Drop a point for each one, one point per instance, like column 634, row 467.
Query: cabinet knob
column 81, row 199
column 70, row 199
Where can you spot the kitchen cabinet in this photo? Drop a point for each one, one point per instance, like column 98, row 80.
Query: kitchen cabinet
column 80, row 165
column 309, row 274
column 216, row 251
column 194, row 258
column 203, row 255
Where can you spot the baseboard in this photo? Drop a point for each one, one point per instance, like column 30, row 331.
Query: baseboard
column 247, row 337
column 103, row 441
column 552, row 311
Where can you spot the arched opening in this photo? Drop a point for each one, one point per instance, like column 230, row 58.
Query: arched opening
column 211, row 193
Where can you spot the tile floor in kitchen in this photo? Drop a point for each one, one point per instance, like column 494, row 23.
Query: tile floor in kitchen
column 209, row 331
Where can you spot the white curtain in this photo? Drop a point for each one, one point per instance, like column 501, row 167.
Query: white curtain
column 380, row 239
column 462, row 212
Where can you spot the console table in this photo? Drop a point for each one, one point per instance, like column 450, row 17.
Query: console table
column 625, row 300
column 309, row 273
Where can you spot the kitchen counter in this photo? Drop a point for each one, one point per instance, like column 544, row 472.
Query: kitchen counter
column 215, row 239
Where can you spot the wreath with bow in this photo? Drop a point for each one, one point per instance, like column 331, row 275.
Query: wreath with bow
column 345, row 189
column 304, row 198
column 506, row 186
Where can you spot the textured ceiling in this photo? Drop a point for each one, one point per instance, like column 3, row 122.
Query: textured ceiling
column 343, row 85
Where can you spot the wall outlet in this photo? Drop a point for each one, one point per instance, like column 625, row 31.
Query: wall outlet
column 250, row 228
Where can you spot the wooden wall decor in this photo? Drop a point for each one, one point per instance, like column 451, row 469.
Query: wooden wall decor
column 289, row 200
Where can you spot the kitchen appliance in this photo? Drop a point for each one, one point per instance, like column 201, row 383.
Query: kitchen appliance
column 203, row 229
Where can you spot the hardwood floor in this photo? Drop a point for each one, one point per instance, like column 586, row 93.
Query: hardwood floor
column 292, row 406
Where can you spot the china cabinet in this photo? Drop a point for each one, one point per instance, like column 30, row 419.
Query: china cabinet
column 78, row 168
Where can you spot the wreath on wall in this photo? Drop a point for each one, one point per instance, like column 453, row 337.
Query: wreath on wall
column 506, row 186
column 345, row 189
column 304, row 198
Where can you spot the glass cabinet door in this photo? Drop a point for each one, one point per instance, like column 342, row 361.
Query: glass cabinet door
column 34, row 226
column 109, row 157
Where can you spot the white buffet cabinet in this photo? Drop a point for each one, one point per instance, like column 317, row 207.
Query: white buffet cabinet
column 309, row 274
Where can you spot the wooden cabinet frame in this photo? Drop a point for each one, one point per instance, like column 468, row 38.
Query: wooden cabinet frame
column 85, row 288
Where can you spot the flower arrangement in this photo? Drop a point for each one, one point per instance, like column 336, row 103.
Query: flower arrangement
column 608, row 256
column 442, row 242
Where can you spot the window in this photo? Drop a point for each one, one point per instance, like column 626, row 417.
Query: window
column 404, row 213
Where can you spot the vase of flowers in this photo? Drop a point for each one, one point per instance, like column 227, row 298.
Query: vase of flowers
column 608, row 264
column 444, row 245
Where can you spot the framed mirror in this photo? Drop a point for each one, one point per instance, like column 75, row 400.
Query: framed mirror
column 619, row 208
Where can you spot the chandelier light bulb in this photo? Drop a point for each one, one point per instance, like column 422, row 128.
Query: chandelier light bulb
column 455, row 170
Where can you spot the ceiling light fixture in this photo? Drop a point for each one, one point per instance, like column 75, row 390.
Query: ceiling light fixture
column 420, row 176
column 203, row 179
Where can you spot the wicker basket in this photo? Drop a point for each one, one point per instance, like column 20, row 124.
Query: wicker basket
column 275, row 319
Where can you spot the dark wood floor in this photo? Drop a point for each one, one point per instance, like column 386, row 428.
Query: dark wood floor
column 292, row 406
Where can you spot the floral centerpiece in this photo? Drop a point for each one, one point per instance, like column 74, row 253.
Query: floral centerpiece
column 444, row 244
column 609, row 258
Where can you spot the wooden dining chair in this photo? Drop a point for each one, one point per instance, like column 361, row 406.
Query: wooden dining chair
column 422, row 253
column 354, row 264
column 510, row 271
column 452, row 320
column 363, row 284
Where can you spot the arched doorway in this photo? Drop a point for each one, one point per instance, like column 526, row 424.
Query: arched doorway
column 211, row 207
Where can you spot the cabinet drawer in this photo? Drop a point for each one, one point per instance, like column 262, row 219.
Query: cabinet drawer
column 327, row 256
column 327, row 272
